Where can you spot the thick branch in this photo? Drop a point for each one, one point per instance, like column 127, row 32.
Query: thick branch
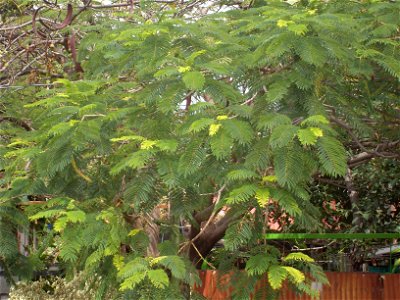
column 213, row 214
column 368, row 155
column 207, row 239
column 359, row 159
column 203, row 215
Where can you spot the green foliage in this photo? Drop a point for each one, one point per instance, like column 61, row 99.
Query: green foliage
column 298, row 256
column 158, row 278
column 276, row 276
column 332, row 156
column 238, row 234
column 193, row 80
column 221, row 144
column 240, row 174
column 9, row 247
column 309, row 136
column 174, row 263
column 239, row 131
column 259, row 264
column 139, row 269
column 181, row 111
column 265, row 262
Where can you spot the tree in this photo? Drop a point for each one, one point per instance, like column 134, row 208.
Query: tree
column 214, row 121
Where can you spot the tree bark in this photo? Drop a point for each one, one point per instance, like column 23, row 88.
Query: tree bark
column 202, row 246
column 148, row 224
column 353, row 195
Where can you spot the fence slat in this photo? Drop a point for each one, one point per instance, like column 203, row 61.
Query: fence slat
column 343, row 286
column 391, row 287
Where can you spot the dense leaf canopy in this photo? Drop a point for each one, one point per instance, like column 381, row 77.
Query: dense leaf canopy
column 211, row 122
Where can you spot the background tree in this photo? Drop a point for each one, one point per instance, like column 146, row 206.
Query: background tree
column 214, row 120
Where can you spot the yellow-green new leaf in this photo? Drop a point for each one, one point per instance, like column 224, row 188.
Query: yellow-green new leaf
column 213, row 129
column 60, row 224
column 147, row 144
column 262, row 196
column 276, row 276
column 309, row 136
column 118, row 261
column 298, row 256
column 295, row 275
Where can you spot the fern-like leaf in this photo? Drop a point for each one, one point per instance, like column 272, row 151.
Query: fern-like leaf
column 174, row 263
column 332, row 156
column 276, row 276
column 221, row 144
column 158, row 278
column 259, row 264
column 282, row 135
column 241, row 194
column 298, row 256
column 240, row 175
column 136, row 160
column 240, row 131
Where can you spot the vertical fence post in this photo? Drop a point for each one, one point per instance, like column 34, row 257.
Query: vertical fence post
column 4, row 286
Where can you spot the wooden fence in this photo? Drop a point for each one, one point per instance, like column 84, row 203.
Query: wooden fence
column 391, row 287
column 343, row 286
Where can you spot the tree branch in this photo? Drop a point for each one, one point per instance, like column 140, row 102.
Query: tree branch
column 217, row 198
column 368, row 155
column 329, row 181
column 203, row 215
column 23, row 124
column 129, row 4
column 209, row 237
column 349, row 130
column 16, row 26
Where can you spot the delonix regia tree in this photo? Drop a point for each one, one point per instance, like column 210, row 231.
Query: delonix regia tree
column 188, row 129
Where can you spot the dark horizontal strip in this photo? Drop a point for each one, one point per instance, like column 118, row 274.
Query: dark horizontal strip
column 331, row 236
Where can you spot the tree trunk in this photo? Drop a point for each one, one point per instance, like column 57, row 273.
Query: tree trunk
column 353, row 195
column 210, row 235
column 148, row 225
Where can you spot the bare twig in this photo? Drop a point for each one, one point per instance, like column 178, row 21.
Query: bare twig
column 349, row 130
column 129, row 4
column 29, row 64
column 384, row 152
column 16, row 26
column 366, row 154
column 91, row 116
column 248, row 101
column 201, row 257
column 295, row 248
